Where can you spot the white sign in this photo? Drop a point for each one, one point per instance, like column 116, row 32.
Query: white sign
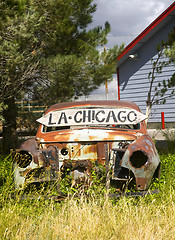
column 94, row 116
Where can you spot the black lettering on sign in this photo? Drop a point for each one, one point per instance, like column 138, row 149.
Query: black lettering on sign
column 122, row 118
column 111, row 114
column 132, row 116
column 50, row 120
column 62, row 117
column 84, row 115
column 97, row 118
column 75, row 117
column 89, row 115
column 93, row 115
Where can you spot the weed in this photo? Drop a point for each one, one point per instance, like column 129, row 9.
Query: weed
column 92, row 217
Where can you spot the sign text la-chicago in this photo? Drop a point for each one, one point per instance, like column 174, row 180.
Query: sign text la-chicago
column 92, row 116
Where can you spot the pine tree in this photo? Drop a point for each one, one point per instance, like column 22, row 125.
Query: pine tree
column 16, row 64
column 48, row 52
column 71, row 64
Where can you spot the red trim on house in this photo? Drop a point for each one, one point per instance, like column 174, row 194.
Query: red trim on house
column 147, row 30
column 118, row 83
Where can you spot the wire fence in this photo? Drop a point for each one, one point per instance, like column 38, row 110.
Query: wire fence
column 28, row 107
column 31, row 106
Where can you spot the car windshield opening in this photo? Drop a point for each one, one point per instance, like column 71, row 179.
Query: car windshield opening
column 111, row 126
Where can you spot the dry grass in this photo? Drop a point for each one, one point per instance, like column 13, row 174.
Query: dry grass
column 127, row 219
column 147, row 218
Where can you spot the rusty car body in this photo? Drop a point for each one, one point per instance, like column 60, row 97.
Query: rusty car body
column 78, row 136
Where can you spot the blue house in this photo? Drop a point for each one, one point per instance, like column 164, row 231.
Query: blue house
column 134, row 65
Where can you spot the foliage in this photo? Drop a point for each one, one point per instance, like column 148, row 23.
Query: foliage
column 17, row 64
column 167, row 180
column 95, row 186
column 27, row 124
column 71, row 65
column 170, row 46
column 16, row 59
column 170, row 52
column 6, row 178
column 2, row 107
column 8, row 9
column 82, row 75
column 48, row 54
column 46, row 46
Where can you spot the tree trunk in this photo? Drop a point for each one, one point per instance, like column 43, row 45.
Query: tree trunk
column 9, row 126
column 148, row 111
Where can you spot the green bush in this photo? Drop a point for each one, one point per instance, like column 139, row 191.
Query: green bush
column 6, row 177
column 98, row 180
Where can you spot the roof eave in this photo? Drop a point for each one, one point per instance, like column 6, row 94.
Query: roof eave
column 159, row 22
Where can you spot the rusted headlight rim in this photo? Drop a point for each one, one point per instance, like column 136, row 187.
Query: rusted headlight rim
column 141, row 162
column 26, row 161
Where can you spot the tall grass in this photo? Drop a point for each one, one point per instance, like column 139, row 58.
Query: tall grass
column 151, row 217
column 93, row 220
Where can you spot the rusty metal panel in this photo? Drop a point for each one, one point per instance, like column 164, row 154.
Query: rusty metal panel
column 76, row 149
column 141, row 158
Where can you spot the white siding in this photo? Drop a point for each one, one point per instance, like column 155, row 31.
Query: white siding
column 133, row 75
column 137, row 88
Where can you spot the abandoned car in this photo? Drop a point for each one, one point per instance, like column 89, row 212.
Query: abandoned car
column 79, row 136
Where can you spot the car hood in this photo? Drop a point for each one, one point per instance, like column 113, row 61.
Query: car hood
column 86, row 135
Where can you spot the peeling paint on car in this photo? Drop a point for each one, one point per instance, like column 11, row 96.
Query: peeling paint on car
column 79, row 148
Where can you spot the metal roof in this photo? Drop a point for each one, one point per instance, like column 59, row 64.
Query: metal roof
column 146, row 34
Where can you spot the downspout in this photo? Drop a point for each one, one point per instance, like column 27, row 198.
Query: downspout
column 118, row 83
